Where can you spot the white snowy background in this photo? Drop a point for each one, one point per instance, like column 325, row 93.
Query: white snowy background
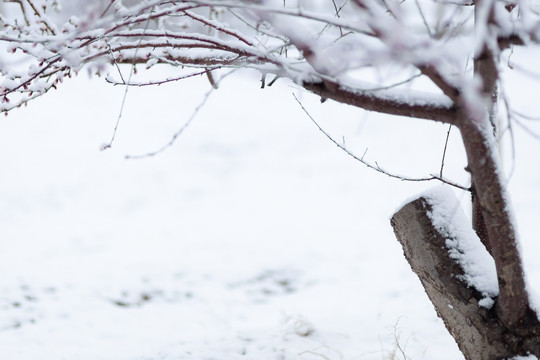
column 253, row 237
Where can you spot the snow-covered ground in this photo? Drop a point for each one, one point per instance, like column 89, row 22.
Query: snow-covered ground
column 253, row 237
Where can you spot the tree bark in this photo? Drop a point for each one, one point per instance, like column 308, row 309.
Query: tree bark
column 478, row 222
column 486, row 177
column 479, row 332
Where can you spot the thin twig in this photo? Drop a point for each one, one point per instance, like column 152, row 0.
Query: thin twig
column 38, row 14
column 161, row 82
column 217, row 26
column 337, row 15
column 509, row 119
column 444, row 151
column 430, row 33
column 526, row 117
column 107, row 8
column 527, row 129
column 184, row 127
column 177, row 133
column 326, row 26
column 377, row 167
column 317, row 352
column 399, row 83
column 257, row 29
column 116, row 64
column 396, row 339
column 109, row 144
column 23, row 11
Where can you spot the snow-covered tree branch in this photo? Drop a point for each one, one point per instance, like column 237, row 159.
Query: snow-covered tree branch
column 433, row 60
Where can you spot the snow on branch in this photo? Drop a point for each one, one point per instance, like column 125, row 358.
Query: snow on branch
column 322, row 45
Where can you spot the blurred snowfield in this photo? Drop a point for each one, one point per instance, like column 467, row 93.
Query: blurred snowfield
column 253, row 237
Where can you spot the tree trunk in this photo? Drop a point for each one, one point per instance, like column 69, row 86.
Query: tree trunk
column 479, row 332
column 478, row 222
column 490, row 192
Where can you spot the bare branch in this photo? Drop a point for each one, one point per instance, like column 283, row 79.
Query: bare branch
column 180, row 131
column 444, row 151
column 424, row 20
column 218, row 27
column 258, row 29
column 375, row 166
column 524, row 116
column 372, row 101
column 111, row 2
column 447, row 87
column 510, row 118
column 161, row 82
column 109, row 144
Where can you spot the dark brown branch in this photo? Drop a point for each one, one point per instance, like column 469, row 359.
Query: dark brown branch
column 507, row 41
column 449, row 89
column 372, row 102
column 218, row 27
